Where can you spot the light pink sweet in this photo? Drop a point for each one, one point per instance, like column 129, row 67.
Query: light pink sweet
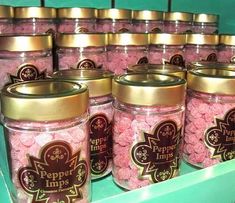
column 6, row 26
column 226, row 54
column 147, row 26
column 204, row 28
column 177, row 27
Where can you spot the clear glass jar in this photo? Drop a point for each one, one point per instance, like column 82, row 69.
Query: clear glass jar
column 167, row 49
column 114, row 20
column 177, row 22
column 147, row 132
column 34, row 20
column 76, row 20
column 101, row 116
column 48, row 140
column 226, row 51
column 126, row 49
column 24, row 58
column 6, row 19
column 209, row 129
column 81, row 51
column 205, row 23
column 147, row 21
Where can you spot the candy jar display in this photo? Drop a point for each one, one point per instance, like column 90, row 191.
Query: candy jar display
column 6, row 19
column 226, row 48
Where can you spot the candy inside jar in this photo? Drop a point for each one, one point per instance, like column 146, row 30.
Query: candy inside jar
column 6, row 19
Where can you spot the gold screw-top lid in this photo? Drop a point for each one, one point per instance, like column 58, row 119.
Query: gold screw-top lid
column 34, row 12
column 25, row 42
column 158, row 68
column 177, row 16
column 147, row 15
column 212, row 80
column 202, row 39
column 99, row 82
column 6, row 12
column 128, row 39
column 227, row 39
column 76, row 13
column 168, row 39
column 205, row 18
column 211, row 64
column 149, row 89
column 44, row 100
column 114, row 13
column 81, row 39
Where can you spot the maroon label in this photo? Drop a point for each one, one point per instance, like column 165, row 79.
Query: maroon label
column 123, row 30
column 177, row 59
column 143, row 60
column 211, row 57
column 81, row 30
column 221, row 137
column 156, row 29
column 232, row 60
column 56, row 176
column 101, row 143
column 87, row 64
column 158, row 154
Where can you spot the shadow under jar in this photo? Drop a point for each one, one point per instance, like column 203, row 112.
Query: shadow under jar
column 6, row 19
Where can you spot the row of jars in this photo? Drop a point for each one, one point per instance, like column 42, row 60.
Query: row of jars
column 73, row 20
column 136, row 125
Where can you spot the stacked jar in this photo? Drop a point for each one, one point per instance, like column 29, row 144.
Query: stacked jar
column 101, row 115
column 226, row 49
column 75, row 20
column 147, row 21
column 81, row 51
column 126, row 49
column 209, row 130
column 46, row 124
column 114, row 20
column 6, row 19
column 166, row 48
column 24, row 58
column 147, row 133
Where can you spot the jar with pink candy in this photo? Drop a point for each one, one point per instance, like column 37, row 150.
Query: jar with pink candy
column 6, row 19
column 99, row 83
column 210, row 112
column 34, row 20
column 46, row 125
column 24, row 58
column 226, row 51
column 177, row 22
column 147, row 21
column 75, row 20
column 148, row 128
column 126, row 49
column 114, row 20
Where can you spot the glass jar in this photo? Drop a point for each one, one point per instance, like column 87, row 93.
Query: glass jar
column 226, row 49
column 81, row 51
column 24, row 58
column 201, row 47
column 75, row 20
column 205, row 23
column 101, row 116
column 46, row 125
column 147, row 132
column 126, row 49
column 34, row 20
column 6, row 19
column 177, row 22
column 114, row 20
column 147, row 21
column 167, row 49
column 209, row 129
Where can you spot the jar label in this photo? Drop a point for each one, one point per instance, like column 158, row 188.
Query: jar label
column 123, row 30
column 57, row 176
column 87, row 64
column 143, row 60
column 101, row 143
column 232, row 60
column 211, row 57
column 220, row 138
column 81, row 30
column 176, row 59
column 156, row 30
column 51, row 32
column 158, row 155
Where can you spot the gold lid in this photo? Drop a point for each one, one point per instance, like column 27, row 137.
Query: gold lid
column 44, row 100
column 159, row 68
column 177, row 16
column 201, row 39
column 147, row 15
column 211, row 64
column 34, row 12
column 6, row 12
column 76, row 13
column 114, row 13
column 205, row 18
column 25, row 42
column 81, row 39
column 168, row 39
column 227, row 39
column 212, row 80
column 149, row 89
column 99, row 82
column 128, row 39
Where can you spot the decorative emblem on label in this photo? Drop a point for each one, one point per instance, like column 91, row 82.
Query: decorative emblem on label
column 52, row 32
column 156, row 30
column 81, row 30
column 158, row 154
column 101, row 143
column 87, row 64
column 143, row 60
column 177, row 59
column 123, row 30
column 232, row 60
column 56, row 176
column 211, row 57
column 220, row 139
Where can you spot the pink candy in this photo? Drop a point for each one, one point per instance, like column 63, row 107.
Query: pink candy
column 177, row 26
column 226, row 54
column 6, row 26
column 147, row 26
column 204, row 28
